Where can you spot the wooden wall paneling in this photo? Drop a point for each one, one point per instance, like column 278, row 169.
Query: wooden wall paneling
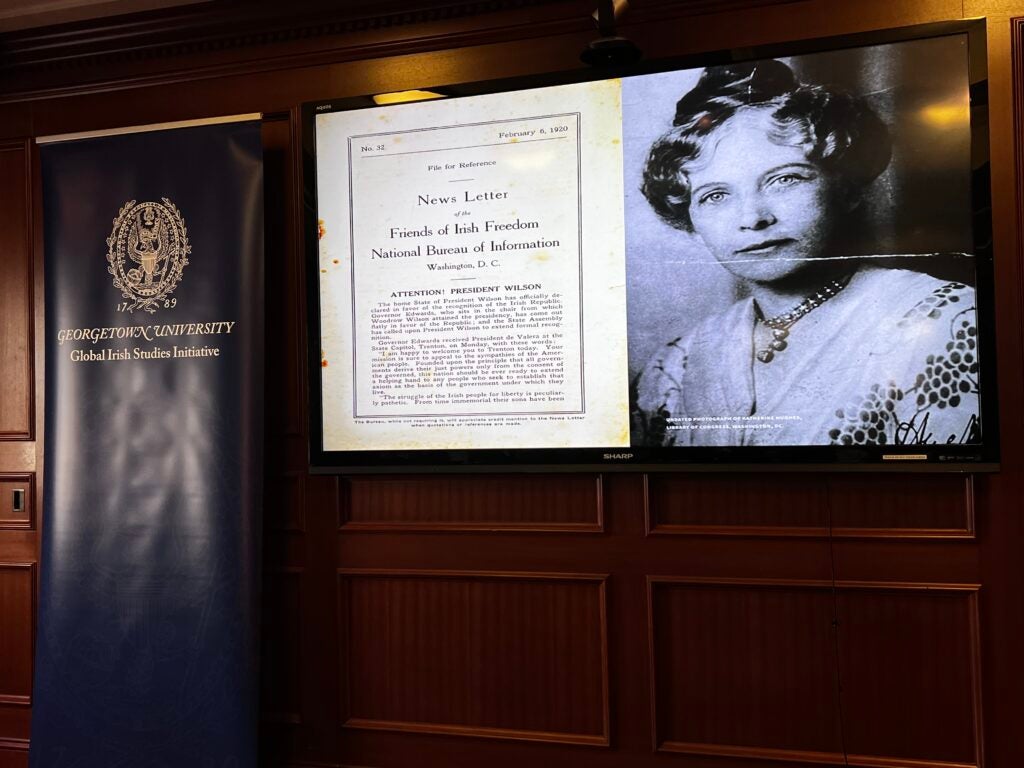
column 17, row 418
column 18, row 456
column 1000, row 523
column 902, row 506
column 220, row 41
column 858, row 505
column 911, row 674
column 17, row 606
column 518, row 656
column 744, row 669
column 884, row 533
column 727, row 503
column 568, row 503
column 9, row 483
column 224, row 41
column 13, row 753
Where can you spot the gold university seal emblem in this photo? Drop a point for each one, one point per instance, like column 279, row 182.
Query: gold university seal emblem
column 147, row 251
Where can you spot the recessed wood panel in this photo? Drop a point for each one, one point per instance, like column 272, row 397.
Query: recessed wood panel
column 12, row 488
column 521, row 502
column 910, row 670
column 280, row 646
column 515, row 656
column 732, row 503
column 859, row 505
column 744, row 669
column 16, row 290
column 17, row 607
column 902, row 504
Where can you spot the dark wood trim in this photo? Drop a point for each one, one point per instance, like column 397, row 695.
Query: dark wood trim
column 226, row 25
column 652, row 654
column 965, row 533
column 799, row 532
column 345, row 524
column 752, row 531
column 470, row 527
column 30, row 243
column 882, row 586
column 414, row 573
column 39, row 63
column 977, row 693
column 25, row 146
column 870, row 761
column 968, row 532
column 296, row 255
column 212, row 54
column 797, row 756
column 508, row 734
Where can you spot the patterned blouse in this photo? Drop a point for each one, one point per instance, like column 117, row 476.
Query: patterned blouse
column 891, row 359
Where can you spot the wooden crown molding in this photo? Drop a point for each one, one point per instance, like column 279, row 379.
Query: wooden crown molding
column 217, row 27
column 234, row 36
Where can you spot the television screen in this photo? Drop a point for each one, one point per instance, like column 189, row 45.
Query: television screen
column 777, row 260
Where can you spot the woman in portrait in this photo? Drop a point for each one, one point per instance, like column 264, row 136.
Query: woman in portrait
column 827, row 346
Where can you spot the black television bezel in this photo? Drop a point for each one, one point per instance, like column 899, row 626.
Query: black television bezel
column 914, row 458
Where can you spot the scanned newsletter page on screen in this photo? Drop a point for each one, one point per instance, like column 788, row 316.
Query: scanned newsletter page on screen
column 472, row 286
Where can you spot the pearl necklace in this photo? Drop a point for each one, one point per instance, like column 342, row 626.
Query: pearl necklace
column 780, row 324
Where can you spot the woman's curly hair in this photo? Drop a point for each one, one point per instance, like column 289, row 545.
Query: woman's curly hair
column 840, row 133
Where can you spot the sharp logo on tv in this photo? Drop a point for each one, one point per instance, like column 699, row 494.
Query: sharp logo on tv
column 774, row 260
column 153, row 237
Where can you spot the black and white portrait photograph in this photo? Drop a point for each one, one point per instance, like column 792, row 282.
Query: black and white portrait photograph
column 800, row 265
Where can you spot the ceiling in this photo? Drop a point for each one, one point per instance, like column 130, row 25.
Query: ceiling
column 25, row 14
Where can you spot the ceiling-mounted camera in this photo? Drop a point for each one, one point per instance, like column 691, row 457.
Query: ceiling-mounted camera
column 610, row 49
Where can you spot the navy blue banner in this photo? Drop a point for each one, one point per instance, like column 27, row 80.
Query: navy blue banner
column 146, row 652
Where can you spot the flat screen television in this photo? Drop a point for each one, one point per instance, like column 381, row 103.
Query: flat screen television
column 774, row 258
